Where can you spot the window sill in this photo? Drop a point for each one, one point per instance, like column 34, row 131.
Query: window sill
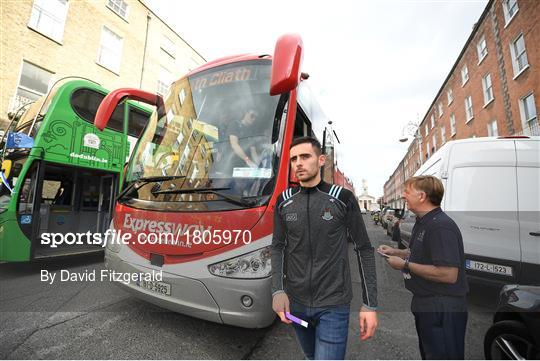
column 59, row 42
column 120, row 16
column 489, row 102
column 464, row 83
column 107, row 68
column 510, row 20
column 468, row 120
column 450, row 102
column 520, row 72
column 481, row 60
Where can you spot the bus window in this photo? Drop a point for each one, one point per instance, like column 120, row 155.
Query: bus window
column 49, row 191
column 26, row 197
column 90, row 193
column 136, row 122
column 302, row 125
column 85, row 103
column 5, row 194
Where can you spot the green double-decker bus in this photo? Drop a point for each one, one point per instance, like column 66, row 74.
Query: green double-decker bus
column 63, row 181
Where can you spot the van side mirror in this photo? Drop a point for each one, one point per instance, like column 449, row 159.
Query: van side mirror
column 6, row 167
column 286, row 64
column 110, row 102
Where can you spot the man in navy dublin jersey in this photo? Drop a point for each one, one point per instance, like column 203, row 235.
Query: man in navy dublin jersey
column 310, row 265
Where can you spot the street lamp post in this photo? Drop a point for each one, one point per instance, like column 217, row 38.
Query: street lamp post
column 413, row 129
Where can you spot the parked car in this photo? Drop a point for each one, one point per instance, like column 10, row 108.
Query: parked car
column 405, row 227
column 492, row 193
column 363, row 211
column 392, row 220
column 515, row 333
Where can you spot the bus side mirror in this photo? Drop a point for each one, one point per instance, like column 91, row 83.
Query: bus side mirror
column 286, row 64
column 6, row 167
column 109, row 103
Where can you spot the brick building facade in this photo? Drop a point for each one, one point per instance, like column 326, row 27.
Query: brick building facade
column 493, row 89
column 117, row 43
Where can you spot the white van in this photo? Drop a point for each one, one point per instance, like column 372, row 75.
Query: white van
column 492, row 191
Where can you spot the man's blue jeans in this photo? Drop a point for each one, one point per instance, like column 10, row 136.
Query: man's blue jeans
column 325, row 338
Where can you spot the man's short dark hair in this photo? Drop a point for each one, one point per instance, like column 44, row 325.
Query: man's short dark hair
column 314, row 142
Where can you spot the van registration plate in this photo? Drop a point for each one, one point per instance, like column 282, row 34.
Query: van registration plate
column 488, row 267
column 155, row 286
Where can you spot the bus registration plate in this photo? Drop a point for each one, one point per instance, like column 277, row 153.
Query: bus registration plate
column 488, row 267
column 156, row 286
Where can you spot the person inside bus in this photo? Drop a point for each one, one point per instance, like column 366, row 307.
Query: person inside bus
column 63, row 194
column 240, row 137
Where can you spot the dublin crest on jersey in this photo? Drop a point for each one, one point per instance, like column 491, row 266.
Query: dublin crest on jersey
column 327, row 216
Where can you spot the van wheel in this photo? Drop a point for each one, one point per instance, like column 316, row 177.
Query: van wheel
column 509, row 340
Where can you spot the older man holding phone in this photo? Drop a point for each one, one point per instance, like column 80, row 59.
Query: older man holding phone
column 434, row 271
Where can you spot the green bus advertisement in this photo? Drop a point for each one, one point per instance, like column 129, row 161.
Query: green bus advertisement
column 60, row 175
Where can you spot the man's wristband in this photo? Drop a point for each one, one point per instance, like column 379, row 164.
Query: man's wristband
column 406, row 265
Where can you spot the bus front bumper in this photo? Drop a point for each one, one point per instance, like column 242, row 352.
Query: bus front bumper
column 209, row 298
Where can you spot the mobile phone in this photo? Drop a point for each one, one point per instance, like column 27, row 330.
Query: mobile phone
column 383, row 254
column 296, row 320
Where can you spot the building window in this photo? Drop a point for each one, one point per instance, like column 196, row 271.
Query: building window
column 440, row 109
column 427, row 150
column 450, row 96
column 452, row 125
column 443, row 135
column 195, row 172
column 168, row 45
column 49, row 17
column 468, row 108
column 434, row 142
column 519, row 55
column 427, row 130
column 432, row 120
column 110, row 50
column 164, row 81
column 118, row 6
column 464, row 75
column 492, row 129
column 33, row 83
column 488, row 88
column 527, row 108
column 481, row 48
column 510, row 8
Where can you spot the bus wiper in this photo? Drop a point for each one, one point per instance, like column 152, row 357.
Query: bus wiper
column 137, row 184
column 232, row 199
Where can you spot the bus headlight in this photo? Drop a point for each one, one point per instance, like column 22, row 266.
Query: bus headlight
column 255, row 264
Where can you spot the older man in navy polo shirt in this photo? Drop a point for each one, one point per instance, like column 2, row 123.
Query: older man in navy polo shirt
column 434, row 271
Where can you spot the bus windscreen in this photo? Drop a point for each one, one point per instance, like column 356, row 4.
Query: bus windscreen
column 217, row 133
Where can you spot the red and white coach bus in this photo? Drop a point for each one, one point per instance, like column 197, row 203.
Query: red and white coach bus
column 207, row 171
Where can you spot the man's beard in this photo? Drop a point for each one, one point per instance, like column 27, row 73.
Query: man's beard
column 309, row 179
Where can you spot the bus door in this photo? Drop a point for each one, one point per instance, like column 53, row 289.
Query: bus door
column 28, row 203
column 106, row 201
